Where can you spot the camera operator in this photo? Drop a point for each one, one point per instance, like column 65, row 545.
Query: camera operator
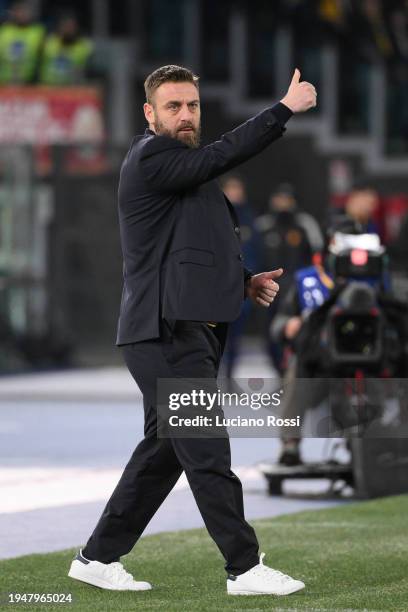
column 290, row 235
column 305, row 314
column 362, row 204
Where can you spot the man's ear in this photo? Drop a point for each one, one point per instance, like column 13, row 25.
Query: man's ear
column 148, row 112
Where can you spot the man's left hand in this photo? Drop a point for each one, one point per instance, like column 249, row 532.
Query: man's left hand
column 262, row 288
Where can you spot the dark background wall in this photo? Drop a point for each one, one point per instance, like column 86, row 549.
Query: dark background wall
column 86, row 265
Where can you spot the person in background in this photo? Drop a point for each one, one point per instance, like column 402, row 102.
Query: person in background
column 361, row 205
column 234, row 189
column 21, row 40
column 66, row 54
column 311, row 289
column 289, row 236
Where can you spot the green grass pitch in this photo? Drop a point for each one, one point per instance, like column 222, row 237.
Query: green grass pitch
column 352, row 557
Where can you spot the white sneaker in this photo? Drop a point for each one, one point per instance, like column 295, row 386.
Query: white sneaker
column 262, row 580
column 105, row 575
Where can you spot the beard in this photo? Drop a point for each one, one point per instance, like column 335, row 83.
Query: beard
column 190, row 138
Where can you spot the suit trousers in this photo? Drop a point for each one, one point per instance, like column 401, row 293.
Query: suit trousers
column 188, row 349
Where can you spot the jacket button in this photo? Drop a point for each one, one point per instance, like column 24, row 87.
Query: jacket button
column 240, row 257
column 236, row 230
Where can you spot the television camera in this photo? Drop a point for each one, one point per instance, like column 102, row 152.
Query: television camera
column 358, row 339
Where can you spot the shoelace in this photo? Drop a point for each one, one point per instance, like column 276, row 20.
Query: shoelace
column 269, row 572
column 118, row 573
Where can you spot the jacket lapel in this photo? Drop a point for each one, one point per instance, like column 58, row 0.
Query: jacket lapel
column 232, row 211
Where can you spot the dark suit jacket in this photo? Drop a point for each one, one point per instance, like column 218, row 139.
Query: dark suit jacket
column 179, row 234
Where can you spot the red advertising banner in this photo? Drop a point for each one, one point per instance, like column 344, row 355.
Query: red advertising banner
column 40, row 115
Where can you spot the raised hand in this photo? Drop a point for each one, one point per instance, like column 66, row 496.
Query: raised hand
column 301, row 95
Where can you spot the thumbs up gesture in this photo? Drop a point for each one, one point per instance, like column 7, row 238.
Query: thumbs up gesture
column 262, row 288
column 301, row 95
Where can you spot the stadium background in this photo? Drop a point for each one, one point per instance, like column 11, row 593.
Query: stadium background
column 60, row 259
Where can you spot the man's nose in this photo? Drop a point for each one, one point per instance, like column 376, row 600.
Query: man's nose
column 185, row 114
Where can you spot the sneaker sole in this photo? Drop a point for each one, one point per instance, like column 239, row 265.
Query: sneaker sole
column 98, row 582
column 289, row 592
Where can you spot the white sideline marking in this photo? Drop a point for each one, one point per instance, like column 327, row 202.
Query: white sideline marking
column 97, row 383
column 24, row 489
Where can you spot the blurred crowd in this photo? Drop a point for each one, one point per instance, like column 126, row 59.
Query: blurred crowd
column 29, row 54
column 365, row 33
column 372, row 29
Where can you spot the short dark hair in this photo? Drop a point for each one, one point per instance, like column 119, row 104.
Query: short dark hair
column 175, row 74
column 285, row 188
column 362, row 183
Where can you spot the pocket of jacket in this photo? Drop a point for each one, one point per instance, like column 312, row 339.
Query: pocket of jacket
column 195, row 256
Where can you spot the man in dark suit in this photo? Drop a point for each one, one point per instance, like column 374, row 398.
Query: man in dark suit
column 184, row 280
